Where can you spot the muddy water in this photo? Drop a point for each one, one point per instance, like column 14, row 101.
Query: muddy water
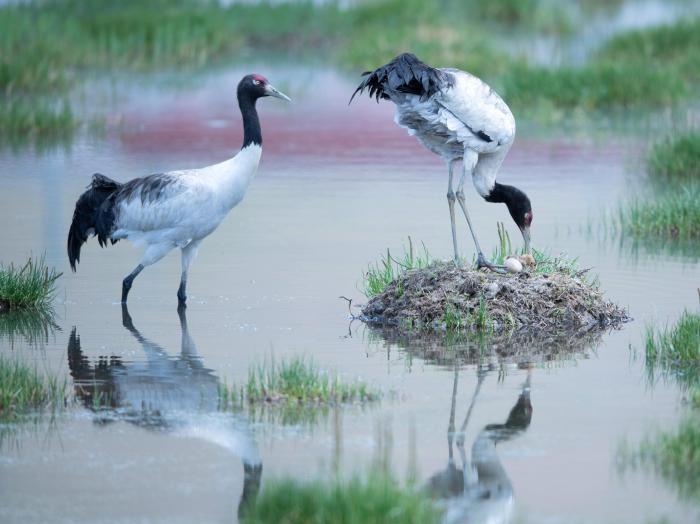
column 336, row 187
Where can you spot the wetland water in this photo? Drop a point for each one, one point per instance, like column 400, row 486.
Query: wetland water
column 337, row 185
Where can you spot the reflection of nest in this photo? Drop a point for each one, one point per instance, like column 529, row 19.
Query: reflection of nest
column 515, row 347
column 443, row 296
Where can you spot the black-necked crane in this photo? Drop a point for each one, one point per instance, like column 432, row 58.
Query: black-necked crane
column 457, row 116
column 177, row 209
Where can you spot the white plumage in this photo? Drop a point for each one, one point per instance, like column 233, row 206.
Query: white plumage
column 172, row 210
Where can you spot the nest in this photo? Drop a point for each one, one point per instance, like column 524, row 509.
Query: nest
column 445, row 297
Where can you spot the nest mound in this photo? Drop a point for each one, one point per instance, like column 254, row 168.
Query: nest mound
column 443, row 296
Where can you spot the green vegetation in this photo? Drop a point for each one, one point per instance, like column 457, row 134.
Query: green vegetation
column 380, row 274
column 455, row 320
column 46, row 46
column 673, row 213
column 674, row 455
column 648, row 67
column 676, row 159
column 31, row 286
column 671, row 210
column 676, row 350
column 24, row 388
column 375, row 499
column 295, row 381
column 673, row 49
column 21, row 117
column 592, row 86
column 673, row 352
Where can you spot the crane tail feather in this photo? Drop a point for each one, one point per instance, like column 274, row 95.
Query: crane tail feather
column 404, row 74
column 89, row 217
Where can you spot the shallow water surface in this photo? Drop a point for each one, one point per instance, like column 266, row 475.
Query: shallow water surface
column 336, row 187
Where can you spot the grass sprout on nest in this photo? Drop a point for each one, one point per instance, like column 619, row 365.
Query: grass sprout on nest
column 381, row 273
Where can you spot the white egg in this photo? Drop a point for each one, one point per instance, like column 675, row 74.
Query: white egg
column 513, row 265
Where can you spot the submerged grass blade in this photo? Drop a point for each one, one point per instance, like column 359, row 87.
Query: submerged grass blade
column 23, row 388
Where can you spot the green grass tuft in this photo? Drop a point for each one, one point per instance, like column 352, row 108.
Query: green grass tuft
column 675, row 350
column 674, row 213
column 380, row 274
column 31, row 286
column 677, row 158
column 23, row 388
column 295, row 381
column 372, row 500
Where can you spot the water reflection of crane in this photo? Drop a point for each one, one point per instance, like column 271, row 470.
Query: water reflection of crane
column 176, row 394
column 480, row 491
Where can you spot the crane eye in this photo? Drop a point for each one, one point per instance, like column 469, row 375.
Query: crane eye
column 257, row 82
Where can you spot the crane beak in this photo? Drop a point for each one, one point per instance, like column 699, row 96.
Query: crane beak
column 526, row 238
column 272, row 91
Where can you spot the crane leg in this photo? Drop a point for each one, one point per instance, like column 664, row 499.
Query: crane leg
column 152, row 255
column 188, row 254
column 451, row 204
column 470, row 159
column 128, row 281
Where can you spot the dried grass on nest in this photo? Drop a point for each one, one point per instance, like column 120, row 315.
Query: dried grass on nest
column 443, row 296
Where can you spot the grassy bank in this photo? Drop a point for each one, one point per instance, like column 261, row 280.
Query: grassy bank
column 23, row 388
column 673, row 213
column 374, row 499
column 296, row 381
column 31, row 286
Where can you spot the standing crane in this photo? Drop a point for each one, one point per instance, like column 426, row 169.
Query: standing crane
column 457, row 116
column 172, row 210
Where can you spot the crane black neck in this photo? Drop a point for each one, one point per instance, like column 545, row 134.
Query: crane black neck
column 517, row 202
column 251, row 123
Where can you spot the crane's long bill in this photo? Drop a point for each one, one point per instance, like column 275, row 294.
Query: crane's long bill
column 526, row 237
column 272, row 91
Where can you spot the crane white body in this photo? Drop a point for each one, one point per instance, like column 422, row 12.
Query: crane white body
column 452, row 124
column 191, row 206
